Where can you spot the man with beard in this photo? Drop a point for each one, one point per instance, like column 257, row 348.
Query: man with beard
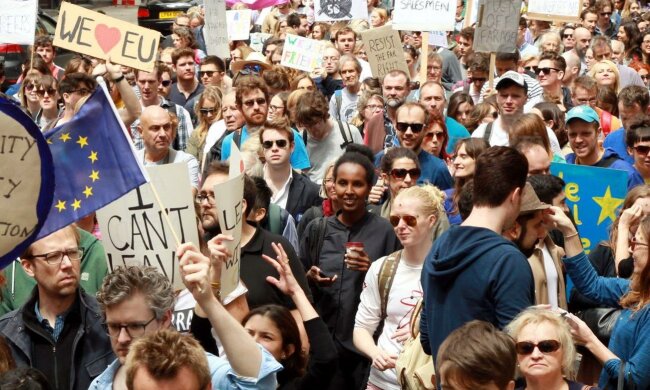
column 583, row 40
column 395, row 89
column 530, row 234
column 252, row 99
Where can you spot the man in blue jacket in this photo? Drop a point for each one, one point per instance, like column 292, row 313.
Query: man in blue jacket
column 472, row 272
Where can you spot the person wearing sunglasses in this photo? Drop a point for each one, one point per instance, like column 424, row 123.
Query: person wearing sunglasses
column 546, row 353
column 638, row 142
column 413, row 218
column 477, row 67
column 550, row 72
column 71, row 89
column 568, row 39
column 48, row 99
column 208, row 111
column 434, row 98
column 400, row 169
column 166, row 80
column 604, row 25
column 28, row 97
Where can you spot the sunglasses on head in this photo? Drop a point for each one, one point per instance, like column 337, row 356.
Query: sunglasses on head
column 401, row 173
column 282, row 143
column 642, row 149
column 166, row 83
column 415, row 127
column 544, row 346
column 50, row 91
column 251, row 103
column 409, row 220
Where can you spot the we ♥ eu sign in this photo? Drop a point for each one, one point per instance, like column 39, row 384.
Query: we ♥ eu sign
column 101, row 36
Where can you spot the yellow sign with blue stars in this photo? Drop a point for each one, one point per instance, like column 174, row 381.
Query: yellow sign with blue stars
column 594, row 196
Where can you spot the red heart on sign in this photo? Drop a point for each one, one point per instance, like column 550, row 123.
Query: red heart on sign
column 107, row 37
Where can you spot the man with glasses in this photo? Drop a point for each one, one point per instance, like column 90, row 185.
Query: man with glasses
column 550, row 72
column 71, row 89
column 433, row 97
column 638, row 141
column 568, row 40
column 604, row 24
column 584, row 92
column 328, row 79
column 59, row 329
column 478, row 66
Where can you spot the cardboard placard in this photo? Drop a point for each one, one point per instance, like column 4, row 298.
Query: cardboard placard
column 215, row 29
column 554, row 10
column 593, row 196
column 302, row 53
column 239, row 24
column 424, row 15
column 87, row 32
column 335, row 10
column 257, row 40
column 18, row 21
column 384, row 50
column 134, row 231
column 231, row 219
column 498, row 23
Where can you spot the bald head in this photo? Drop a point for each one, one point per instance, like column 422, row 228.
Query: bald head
column 583, row 39
column 157, row 131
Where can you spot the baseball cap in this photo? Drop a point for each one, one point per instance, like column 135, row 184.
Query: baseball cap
column 512, row 77
column 584, row 113
column 530, row 202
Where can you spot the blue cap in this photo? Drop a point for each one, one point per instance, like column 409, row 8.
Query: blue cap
column 584, row 113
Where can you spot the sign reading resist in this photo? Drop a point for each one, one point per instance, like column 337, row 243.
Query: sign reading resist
column 384, row 50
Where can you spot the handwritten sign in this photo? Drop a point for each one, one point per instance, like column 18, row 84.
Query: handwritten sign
column 18, row 21
column 26, row 181
column 239, row 24
column 384, row 50
column 593, row 196
column 424, row 15
column 552, row 10
column 257, row 40
column 229, row 212
column 335, row 10
column 438, row 39
column 497, row 26
column 215, row 29
column 302, row 53
column 101, row 36
column 134, row 230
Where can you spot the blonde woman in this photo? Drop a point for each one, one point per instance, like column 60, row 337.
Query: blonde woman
column 606, row 74
column 208, row 111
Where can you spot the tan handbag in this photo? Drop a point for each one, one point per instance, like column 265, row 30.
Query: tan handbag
column 414, row 368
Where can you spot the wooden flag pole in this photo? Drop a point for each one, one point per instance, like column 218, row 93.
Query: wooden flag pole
column 468, row 13
column 424, row 54
column 493, row 58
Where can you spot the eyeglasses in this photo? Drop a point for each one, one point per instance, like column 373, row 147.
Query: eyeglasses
column 544, row 346
column 208, row 73
column 201, row 197
column 547, row 71
column 434, row 68
column 409, row 220
column 282, row 143
column 81, row 91
column 56, row 257
column 401, row 173
column 50, row 91
column 375, row 107
column 642, row 149
column 439, row 135
column 644, row 76
column 275, row 108
column 479, row 79
column 605, row 14
column 206, row 111
column 533, row 69
column 415, row 127
column 251, row 103
column 134, row 330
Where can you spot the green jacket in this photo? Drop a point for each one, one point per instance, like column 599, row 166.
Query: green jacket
column 18, row 285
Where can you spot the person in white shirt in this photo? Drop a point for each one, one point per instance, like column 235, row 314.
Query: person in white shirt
column 343, row 103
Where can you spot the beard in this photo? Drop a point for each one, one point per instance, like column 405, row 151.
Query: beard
column 394, row 103
column 528, row 252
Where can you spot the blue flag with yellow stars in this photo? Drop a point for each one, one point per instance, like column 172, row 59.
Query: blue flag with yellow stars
column 94, row 163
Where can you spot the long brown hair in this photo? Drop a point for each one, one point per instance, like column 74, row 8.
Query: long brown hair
column 639, row 294
column 636, row 193
column 473, row 147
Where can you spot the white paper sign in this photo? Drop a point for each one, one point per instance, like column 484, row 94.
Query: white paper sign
column 215, row 30
column 239, row 24
column 302, row 53
column 438, row 38
column 334, row 10
column 134, row 230
column 424, row 15
column 560, row 10
column 18, row 21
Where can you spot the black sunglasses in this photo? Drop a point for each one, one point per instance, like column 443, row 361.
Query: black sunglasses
column 251, row 103
column 207, row 111
column 409, row 220
column 50, row 91
column 401, row 173
column 533, row 69
column 545, row 346
column 547, row 71
column 479, row 79
column 282, row 143
column 642, row 149
column 567, row 36
column 208, row 73
column 166, row 83
column 415, row 127
column 605, row 14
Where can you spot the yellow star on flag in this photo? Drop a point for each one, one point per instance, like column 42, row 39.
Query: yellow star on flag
column 88, row 191
column 76, row 204
column 82, row 141
column 65, row 137
column 94, row 175
column 60, row 205
column 49, row 141
column 608, row 205
column 93, row 156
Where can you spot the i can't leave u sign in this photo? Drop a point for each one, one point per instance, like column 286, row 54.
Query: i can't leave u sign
column 101, row 36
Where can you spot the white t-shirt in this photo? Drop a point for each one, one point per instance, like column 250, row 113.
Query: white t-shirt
column 405, row 292
column 348, row 107
column 499, row 137
column 551, row 277
column 322, row 152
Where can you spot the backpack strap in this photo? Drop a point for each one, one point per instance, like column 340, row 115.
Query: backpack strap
column 338, row 99
column 275, row 219
column 236, row 138
column 316, row 238
column 347, row 137
column 415, row 319
column 488, row 132
column 386, row 277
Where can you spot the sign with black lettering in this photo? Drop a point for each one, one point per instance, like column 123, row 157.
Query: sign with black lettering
column 101, row 36
column 424, row 15
column 134, row 231
column 384, row 50
column 18, row 21
column 498, row 23
column 215, row 29
column 554, row 10
column 335, row 10
column 26, row 181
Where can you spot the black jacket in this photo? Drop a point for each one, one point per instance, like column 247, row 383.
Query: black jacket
column 303, row 193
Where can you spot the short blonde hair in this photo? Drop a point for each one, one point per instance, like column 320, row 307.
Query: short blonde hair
column 430, row 197
column 606, row 64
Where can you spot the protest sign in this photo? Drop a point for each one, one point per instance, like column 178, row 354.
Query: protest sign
column 335, row 10
column 498, row 23
column 229, row 212
column 554, row 10
column 593, row 196
column 257, row 40
column 302, row 53
column 424, row 15
column 87, row 32
column 18, row 21
column 215, row 29
column 239, row 24
column 384, row 49
column 134, row 229
column 438, row 39
column 26, row 181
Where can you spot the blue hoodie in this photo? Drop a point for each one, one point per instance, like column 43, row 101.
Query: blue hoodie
column 472, row 273
column 633, row 176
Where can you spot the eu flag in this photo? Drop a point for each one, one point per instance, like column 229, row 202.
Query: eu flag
column 94, row 163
